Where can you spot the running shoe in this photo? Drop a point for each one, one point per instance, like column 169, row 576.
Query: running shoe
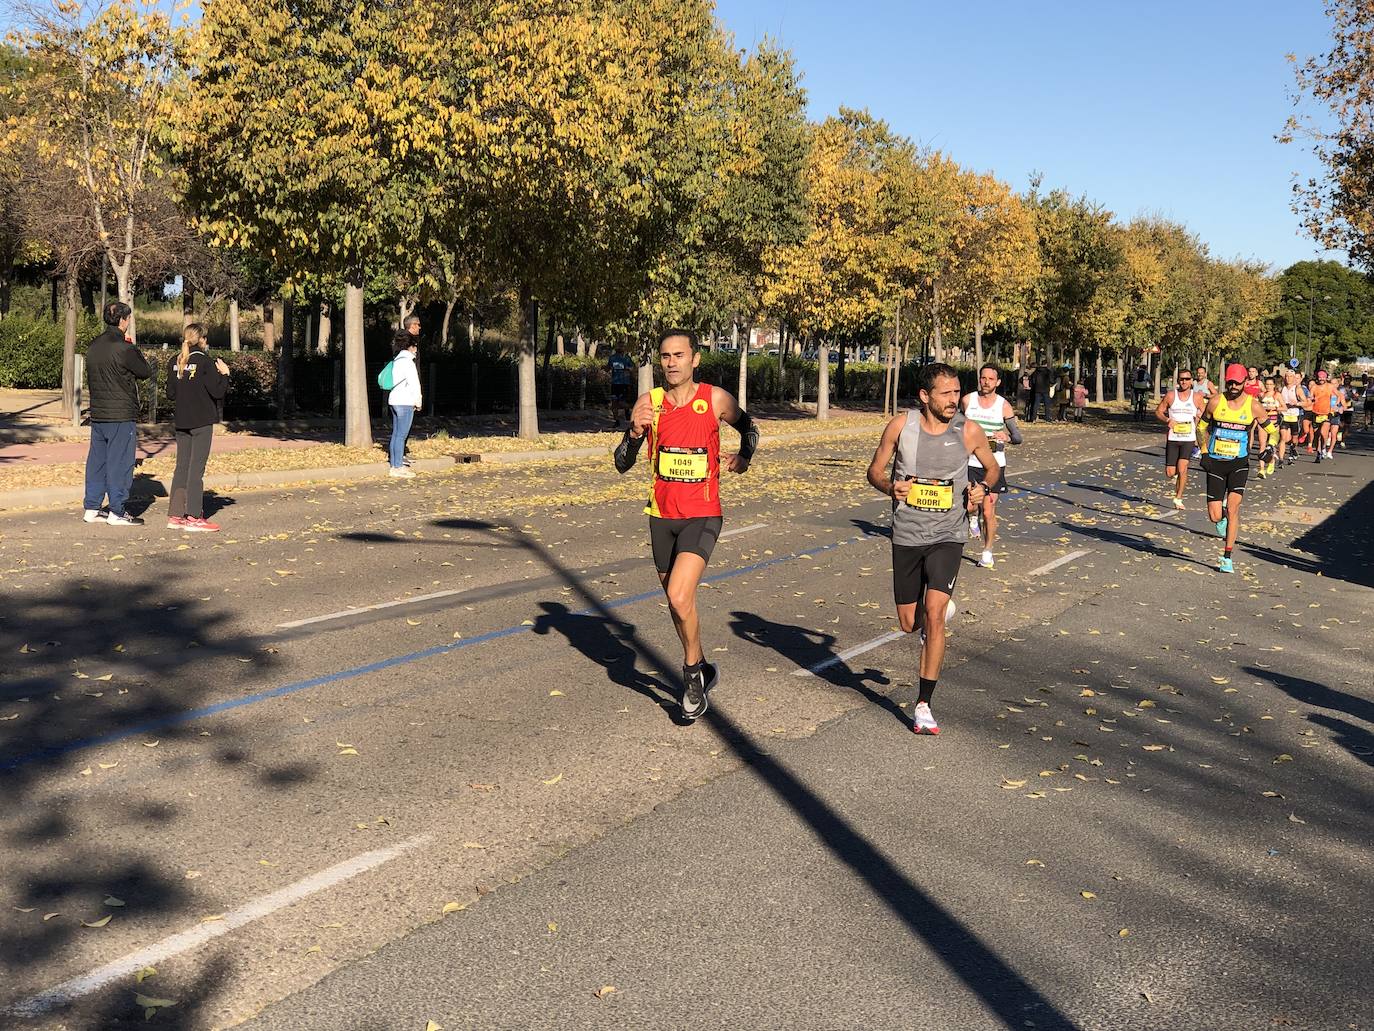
column 1221, row 527
column 923, row 721
column 1178, row 504
column 1197, row 454
column 92, row 514
column 195, row 525
column 401, row 473
column 176, row 522
column 123, row 519
column 1262, row 472
column 711, row 676
column 987, row 560
column 1225, row 565
column 694, row 701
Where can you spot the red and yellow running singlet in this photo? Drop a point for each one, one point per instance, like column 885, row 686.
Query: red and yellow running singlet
column 684, row 453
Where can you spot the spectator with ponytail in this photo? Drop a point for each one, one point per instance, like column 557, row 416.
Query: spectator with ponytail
column 195, row 385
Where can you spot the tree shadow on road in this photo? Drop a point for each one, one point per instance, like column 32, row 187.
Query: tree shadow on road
column 815, row 650
column 1309, row 692
column 1134, row 542
column 97, row 670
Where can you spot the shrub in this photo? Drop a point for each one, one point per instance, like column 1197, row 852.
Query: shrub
column 31, row 350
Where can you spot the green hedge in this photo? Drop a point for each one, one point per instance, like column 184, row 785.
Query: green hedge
column 31, row 350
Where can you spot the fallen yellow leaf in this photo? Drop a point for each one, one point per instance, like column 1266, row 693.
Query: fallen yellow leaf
column 144, row 974
column 604, row 991
column 96, row 923
column 452, row 907
column 1088, row 894
column 554, row 780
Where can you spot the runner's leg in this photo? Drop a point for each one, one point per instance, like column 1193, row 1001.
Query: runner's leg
column 989, row 520
column 680, row 586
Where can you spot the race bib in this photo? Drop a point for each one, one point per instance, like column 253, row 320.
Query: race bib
column 1292, row 415
column 684, row 465
column 1184, row 427
column 1223, row 448
column 931, row 495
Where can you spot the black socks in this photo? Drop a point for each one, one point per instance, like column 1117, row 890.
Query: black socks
column 927, row 689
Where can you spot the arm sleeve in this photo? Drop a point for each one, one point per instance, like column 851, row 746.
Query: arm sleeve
column 627, row 452
column 748, row 435
column 135, row 362
column 1013, row 430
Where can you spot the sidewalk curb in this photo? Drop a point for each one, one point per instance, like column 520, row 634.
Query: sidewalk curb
column 70, row 494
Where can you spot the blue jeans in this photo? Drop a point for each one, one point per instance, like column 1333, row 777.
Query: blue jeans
column 110, row 464
column 401, row 418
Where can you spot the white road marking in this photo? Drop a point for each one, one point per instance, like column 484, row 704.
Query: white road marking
column 743, row 529
column 201, row 933
column 849, row 653
column 368, row 608
column 1057, row 562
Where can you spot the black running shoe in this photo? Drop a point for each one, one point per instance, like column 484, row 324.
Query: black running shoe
column 694, row 703
column 710, row 675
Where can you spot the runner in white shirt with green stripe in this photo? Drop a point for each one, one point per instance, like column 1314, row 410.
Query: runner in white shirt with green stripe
column 997, row 418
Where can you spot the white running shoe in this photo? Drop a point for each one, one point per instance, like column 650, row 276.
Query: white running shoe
column 92, row 514
column 923, row 722
column 1178, row 504
column 986, row 562
column 401, row 473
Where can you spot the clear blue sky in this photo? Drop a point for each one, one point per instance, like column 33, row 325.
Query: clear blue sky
column 1164, row 107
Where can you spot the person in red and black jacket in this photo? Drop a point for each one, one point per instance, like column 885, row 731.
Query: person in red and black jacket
column 195, row 384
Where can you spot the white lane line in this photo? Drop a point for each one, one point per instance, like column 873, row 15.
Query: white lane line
column 367, row 608
column 849, row 653
column 1057, row 563
column 200, row 934
column 743, row 529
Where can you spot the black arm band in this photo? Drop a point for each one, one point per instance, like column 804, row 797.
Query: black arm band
column 627, row 451
column 1013, row 430
column 748, row 435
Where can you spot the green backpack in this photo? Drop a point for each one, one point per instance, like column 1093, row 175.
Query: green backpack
column 386, row 379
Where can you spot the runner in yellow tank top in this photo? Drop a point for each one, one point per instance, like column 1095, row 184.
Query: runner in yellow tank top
column 1224, row 434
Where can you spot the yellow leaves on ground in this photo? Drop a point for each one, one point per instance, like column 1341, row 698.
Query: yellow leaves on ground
column 604, row 991
column 96, row 923
column 1088, row 894
column 553, row 780
column 345, row 749
column 453, row 907
column 144, row 974
column 1012, row 785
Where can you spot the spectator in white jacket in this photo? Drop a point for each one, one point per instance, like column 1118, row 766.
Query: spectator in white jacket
column 405, row 400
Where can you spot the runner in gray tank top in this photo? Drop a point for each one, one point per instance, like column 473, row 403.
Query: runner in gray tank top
column 927, row 451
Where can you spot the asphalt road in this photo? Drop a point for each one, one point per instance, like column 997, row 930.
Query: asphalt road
column 274, row 757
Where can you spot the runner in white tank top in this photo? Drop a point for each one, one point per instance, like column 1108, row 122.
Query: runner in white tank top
column 990, row 410
column 1179, row 409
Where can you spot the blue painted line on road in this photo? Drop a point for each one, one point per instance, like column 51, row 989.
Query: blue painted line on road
column 176, row 719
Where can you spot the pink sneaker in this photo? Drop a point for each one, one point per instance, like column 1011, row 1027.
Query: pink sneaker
column 194, row 524
column 176, row 522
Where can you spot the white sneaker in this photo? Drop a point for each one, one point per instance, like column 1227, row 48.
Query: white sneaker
column 115, row 519
column 923, row 721
column 92, row 514
column 1178, row 504
column 986, row 561
column 401, row 473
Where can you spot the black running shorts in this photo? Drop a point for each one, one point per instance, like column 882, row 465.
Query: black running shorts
column 914, row 568
column 674, row 537
column 1225, row 476
column 1176, row 451
column 976, row 474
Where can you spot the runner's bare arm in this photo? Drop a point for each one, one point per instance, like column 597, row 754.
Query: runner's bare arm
column 729, row 411
column 641, row 416
column 976, row 441
column 879, row 469
column 1162, row 412
column 1206, row 418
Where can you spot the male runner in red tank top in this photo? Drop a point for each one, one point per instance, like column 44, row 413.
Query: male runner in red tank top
column 682, row 424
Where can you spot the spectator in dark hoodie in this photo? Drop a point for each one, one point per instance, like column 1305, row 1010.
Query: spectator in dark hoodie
column 195, row 384
column 113, row 368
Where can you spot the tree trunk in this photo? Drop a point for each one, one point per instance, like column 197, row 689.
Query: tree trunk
column 645, row 383
column 269, row 327
column 1158, row 362
column 528, row 389
column 742, row 390
column 1097, row 362
column 1121, row 375
column 823, row 381
column 286, row 401
column 357, row 422
column 407, row 309
column 937, row 336
column 1077, row 365
column 326, row 329
column 558, row 345
column 472, row 332
column 443, row 326
column 234, row 343
column 73, row 301
column 188, row 305
column 124, row 289
column 978, row 340
column 581, row 344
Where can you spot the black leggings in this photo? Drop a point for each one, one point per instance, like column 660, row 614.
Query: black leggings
column 188, row 482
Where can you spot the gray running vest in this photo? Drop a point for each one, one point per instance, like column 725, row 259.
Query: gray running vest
column 939, row 464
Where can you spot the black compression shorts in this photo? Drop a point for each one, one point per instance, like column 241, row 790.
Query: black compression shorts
column 914, row 568
column 976, row 473
column 1225, row 476
column 674, row 537
column 1176, row 451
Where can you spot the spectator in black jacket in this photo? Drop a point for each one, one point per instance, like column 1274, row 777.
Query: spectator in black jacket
column 113, row 368
column 1041, row 379
column 195, row 384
